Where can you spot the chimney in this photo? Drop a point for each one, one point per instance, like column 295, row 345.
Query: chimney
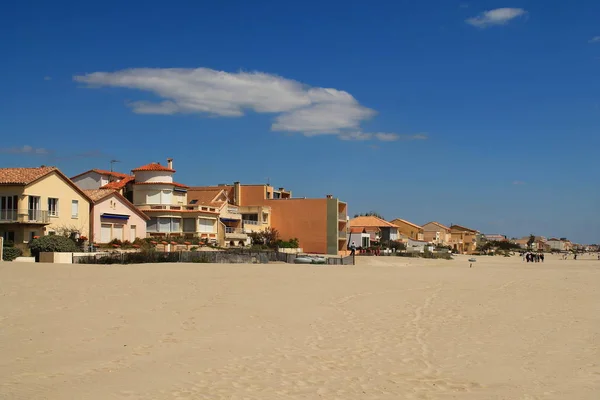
column 237, row 193
column 170, row 163
column 329, row 196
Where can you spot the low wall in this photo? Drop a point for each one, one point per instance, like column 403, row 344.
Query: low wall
column 24, row 259
column 290, row 251
column 56, row 258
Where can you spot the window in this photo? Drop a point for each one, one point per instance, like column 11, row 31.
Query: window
column 8, row 208
column 52, row 207
column 175, row 225
column 152, row 225
column 9, row 237
column 206, row 225
column 166, row 197
column 75, row 209
column 153, row 197
column 164, row 224
column 193, row 201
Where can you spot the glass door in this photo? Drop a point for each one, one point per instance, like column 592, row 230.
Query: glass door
column 34, row 208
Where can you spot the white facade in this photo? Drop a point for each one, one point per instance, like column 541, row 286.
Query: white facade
column 153, row 176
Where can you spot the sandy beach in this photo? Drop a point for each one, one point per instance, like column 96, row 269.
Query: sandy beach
column 388, row 328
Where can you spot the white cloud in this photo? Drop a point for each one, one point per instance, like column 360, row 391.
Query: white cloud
column 595, row 39
column 499, row 16
column 297, row 107
column 24, row 150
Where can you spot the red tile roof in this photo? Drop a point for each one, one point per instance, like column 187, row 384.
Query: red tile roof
column 205, row 196
column 181, row 185
column 357, row 229
column 118, row 185
column 103, row 172
column 23, row 176
column 153, row 167
column 371, row 221
column 98, row 194
column 406, row 222
column 438, row 224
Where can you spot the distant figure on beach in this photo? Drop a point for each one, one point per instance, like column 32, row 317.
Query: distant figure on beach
column 352, row 249
column 542, row 257
column 575, row 256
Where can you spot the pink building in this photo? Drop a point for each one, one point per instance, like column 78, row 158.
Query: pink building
column 114, row 217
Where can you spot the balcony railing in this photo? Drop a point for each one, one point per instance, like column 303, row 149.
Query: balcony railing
column 342, row 216
column 342, row 234
column 234, row 230
column 250, row 222
column 24, row 216
column 157, row 207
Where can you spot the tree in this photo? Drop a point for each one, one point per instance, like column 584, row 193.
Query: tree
column 531, row 241
column 369, row 214
column 53, row 244
column 269, row 237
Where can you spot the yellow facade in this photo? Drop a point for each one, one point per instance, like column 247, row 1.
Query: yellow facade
column 36, row 215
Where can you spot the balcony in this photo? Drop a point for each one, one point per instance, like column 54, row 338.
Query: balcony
column 162, row 207
column 342, row 216
column 250, row 222
column 24, row 217
column 342, row 234
column 235, row 233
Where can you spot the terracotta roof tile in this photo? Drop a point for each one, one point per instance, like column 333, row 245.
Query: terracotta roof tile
column 153, row 167
column 371, row 221
column 118, row 185
column 406, row 222
column 98, row 194
column 181, row 185
column 103, row 172
column 438, row 224
column 204, row 196
column 357, row 229
column 23, row 176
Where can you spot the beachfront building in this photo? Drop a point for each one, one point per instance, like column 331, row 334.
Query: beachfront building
column 436, row 233
column 360, row 237
column 463, row 240
column 560, row 244
column 413, row 231
column 318, row 224
column 113, row 217
column 495, row 237
column 540, row 243
column 157, row 195
column 416, row 246
column 237, row 222
column 387, row 230
column 41, row 201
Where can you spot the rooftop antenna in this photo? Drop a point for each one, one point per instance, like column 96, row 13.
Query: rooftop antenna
column 268, row 181
column 111, row 164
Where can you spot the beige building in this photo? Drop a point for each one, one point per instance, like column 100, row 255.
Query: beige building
column 165, row 201
column 463, row 240
column 412, row 231
column 436, row 233
column 41, row 201
column 236, row 221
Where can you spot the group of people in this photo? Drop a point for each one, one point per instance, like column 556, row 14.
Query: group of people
column 533, row 257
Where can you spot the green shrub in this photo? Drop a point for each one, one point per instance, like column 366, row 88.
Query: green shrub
column 10, row 253
column 53, row 243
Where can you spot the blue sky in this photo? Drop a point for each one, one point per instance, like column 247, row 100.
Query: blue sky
column 483, row 113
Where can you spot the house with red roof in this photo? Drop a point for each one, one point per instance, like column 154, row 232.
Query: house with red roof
column 436, row 233
column 113, row 217
column 165, row 202
column 381, row 229
column 41, row 201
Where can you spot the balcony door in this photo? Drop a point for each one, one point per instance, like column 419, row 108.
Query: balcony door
column 8, row 208
column 34, row 208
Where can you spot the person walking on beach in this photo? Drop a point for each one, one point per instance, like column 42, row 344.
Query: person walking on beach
column 352, row 249
column 542, row 257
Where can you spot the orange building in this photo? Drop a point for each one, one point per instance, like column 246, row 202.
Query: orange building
column 318, row 224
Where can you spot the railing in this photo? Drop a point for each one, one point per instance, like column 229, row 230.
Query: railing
column 233, row 230
column 25, row 216
column 342, row 216
column 250, row 222
column 342, row 234
column 151, row 207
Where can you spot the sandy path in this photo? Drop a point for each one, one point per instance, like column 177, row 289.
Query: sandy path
column 388, row 328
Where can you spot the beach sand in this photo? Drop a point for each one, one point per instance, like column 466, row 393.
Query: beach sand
column 388, row 328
